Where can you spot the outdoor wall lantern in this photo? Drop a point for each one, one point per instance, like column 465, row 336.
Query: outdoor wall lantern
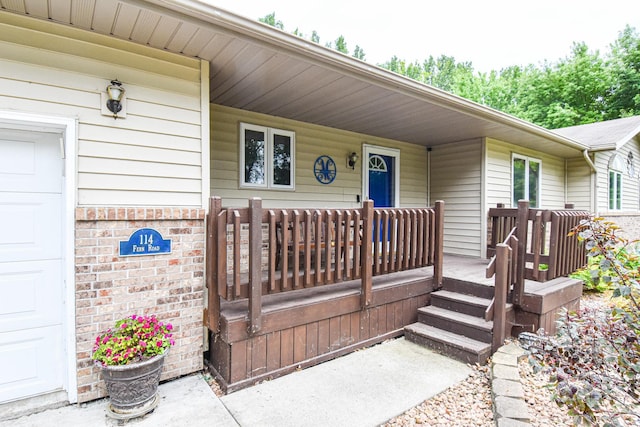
column 352, row 159
column 115, row 92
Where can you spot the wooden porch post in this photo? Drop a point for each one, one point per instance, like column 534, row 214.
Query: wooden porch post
column 255, row 259
column 500, row 295
column 212, row 313
column 439, row 244
column 367, row 256
column 522, row 224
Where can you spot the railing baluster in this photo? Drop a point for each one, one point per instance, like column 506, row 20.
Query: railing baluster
column 357, row 233
column 296, row 249
column 237, row 239
column 406, row 255
column 309, row 243
column 221, row 241
column 284, row 251
column 320, row 237
column 273, row 247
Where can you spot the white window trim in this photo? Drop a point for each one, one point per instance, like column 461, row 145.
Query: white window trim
column 617, row 166
column 621, row 189
column 269, row 133
column 527, row 159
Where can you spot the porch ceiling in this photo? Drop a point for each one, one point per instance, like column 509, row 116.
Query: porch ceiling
column 259, row 68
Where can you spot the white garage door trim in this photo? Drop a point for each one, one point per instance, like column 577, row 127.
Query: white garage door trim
column 68, row 127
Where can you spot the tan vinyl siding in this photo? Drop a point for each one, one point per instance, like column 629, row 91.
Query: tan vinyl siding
column 630, row 184
column 498, row 185
column 456, row 177
column 312, row 141
column 153, row 156
column 579, row 183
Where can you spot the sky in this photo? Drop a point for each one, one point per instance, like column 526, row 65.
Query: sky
column 492, row 34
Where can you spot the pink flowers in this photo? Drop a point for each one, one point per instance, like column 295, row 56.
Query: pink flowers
column 129, row 341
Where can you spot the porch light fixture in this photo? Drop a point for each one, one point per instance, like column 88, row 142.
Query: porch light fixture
column 115, row 92
column 352, row 159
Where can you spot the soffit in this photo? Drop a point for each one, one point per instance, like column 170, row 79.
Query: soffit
column 258, row 68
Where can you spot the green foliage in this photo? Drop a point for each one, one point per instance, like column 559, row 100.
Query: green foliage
column 584, row 87
column 270, row 19
column 133, row 339
column 359, row 53
column 596, row 279
column 341, row 45
column 594, row 358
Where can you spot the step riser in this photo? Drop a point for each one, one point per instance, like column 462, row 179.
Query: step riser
column 467, row 288
column 458, row 306
column 448, row 350
column 455, row 327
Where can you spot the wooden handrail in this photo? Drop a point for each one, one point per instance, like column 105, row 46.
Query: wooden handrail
column 246, row 256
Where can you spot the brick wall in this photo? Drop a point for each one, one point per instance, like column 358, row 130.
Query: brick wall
column 629, row 223
column 110, row 287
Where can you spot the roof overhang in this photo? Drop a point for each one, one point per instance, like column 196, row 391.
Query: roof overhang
column 259, row 68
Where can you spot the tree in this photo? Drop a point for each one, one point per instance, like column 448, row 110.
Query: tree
column 625, row 65
column 341, row 45
column 270, row 19
column 358, row 53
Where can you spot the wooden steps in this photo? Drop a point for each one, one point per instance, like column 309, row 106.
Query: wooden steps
column 457, row 346
column 454, row 322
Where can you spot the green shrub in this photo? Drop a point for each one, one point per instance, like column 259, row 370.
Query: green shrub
column 595, row 279
column 594, row 359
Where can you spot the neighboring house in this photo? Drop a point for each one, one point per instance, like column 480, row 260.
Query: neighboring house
column 614, row 153
column 215, row 104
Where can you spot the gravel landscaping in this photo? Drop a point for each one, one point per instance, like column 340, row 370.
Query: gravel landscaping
column 469, row 402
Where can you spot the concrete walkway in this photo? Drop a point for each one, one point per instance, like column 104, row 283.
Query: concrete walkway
column 365, row 388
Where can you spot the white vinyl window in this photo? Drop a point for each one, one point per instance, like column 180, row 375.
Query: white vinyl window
column 526, row 175
column 267, row 157
column 616, row 168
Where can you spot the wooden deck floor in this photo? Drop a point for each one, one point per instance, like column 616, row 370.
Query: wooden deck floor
column 466, row 268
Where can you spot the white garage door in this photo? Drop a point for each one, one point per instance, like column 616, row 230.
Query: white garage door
column 31, row 285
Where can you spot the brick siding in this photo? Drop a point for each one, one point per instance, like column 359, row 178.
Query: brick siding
column 628, row 223
column 110, row 287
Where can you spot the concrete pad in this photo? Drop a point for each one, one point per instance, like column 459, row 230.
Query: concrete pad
column 364, row 388
column 187, row 401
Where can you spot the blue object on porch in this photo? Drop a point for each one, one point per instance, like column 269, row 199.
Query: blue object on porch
column 145, row 241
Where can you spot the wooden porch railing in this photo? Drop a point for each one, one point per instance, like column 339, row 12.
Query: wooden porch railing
column 253, row 251
column 547, row 251
column 503, row 265
column 521, row 241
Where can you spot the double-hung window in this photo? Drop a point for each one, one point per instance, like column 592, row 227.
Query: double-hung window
column 267, row 157
column 616, row 167
column 526, row 174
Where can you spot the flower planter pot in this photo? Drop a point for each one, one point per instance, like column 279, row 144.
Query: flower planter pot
column 133, row 388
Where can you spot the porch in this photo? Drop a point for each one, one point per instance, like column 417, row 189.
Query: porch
column 290, row 289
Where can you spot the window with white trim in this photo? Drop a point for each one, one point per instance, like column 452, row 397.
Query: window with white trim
column 616, row 168
column 526, row 176
column 267, row 157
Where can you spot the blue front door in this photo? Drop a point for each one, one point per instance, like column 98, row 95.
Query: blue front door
column 381, row 185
